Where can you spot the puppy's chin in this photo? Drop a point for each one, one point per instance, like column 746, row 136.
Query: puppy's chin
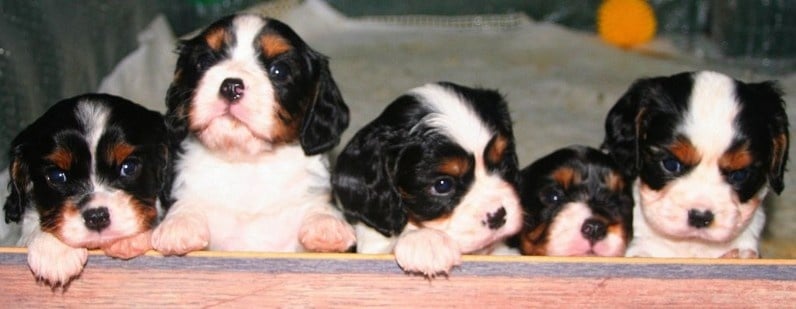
column 666, row 212
column 232, row 139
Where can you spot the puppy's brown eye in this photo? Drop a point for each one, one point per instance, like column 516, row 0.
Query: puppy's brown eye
column 442, row 186
column 552, row 196
column 56, row 176
column 279, row 71
column 672, row 165
column 739, row 176
column 128, row 168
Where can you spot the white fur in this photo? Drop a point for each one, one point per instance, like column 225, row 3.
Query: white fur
column 649, row 243
column 244, row 129
column 566, row 238
column 59, row 256
column 661, row 217
column 50, row 259
column 259, row 205
column 237, row 187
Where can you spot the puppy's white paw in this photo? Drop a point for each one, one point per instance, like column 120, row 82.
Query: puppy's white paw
column 130, row 247
column 326, row 233
column 427, row 252
column 181, row 234
column 740, row 254
column 53, row 261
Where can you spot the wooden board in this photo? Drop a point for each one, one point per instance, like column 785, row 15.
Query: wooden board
column 348, row 280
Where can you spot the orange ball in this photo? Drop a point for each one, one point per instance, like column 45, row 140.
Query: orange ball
column 626, row 23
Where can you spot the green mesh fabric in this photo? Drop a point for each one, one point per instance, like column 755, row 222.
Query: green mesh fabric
column 51, row 49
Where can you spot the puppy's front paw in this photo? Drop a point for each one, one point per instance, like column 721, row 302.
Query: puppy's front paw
column 181, row 234
column 740, row 254
column 326, row 233
column 427, row 252
column 130, row 247
column 54, row 262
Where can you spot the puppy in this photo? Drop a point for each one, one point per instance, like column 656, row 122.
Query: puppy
column 577, row 202
column 252, row 109
column 432, row 177
column 706, row 149
column 85, row 175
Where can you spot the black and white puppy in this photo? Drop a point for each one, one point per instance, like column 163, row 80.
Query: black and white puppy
column 577, row 202
column 706, row 149
column 252, row 110
column 432, row 178
column 86, row 174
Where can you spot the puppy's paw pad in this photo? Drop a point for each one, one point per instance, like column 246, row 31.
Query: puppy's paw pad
column 130, row 247
column 179, row 235
column 325, row 233
column 54, row 262
column 427, row 252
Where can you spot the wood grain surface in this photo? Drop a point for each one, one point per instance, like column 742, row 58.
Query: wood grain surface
column 208, row 279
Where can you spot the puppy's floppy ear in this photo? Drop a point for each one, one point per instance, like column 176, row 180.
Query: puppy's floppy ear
column 628, row 120
column 327, row 116
column 18, row 184
column 363, row 182
column 625, row 124
column 769, row 96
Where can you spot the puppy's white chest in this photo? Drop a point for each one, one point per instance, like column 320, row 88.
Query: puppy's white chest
column 253, row 205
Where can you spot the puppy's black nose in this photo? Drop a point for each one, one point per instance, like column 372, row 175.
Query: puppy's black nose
column 97, row 218
column 593, row 229
column 700, row 219
column 496, row 219
column 232, row 89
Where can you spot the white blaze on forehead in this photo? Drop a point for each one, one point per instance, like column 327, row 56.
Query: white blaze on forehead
column 247, row 28
column 709, row 123
column 453, row 118
column 93, row 116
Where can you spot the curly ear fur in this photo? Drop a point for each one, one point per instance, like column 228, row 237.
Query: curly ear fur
column 327, row 116
column 363, row 182
column 624, row 125
column 766, row 97
column 17, row 200
column 628, row 120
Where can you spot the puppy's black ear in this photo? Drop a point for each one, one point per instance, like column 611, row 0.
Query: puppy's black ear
column 625, row 124
column 17, row 200
column 628, row 120
column 327, row 116
column 363, row 182
column 768, row 97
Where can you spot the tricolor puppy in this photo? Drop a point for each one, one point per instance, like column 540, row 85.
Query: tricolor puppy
column 706, row 149
column 432, row 178
column 252, row 110
column 577, row 202
column 85, row 175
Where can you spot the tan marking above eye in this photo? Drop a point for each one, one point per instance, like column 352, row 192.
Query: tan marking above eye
column 62, row 158
column 273, row 45
column 119, row 152
column 496, row 149
column 215, row 38
column 684, row 151
column 566, row 176
column 736, row 159
column 454, row 166
column 615, row 182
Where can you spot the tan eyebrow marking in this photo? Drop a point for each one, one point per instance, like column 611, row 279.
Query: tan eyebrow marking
column 273, row 45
